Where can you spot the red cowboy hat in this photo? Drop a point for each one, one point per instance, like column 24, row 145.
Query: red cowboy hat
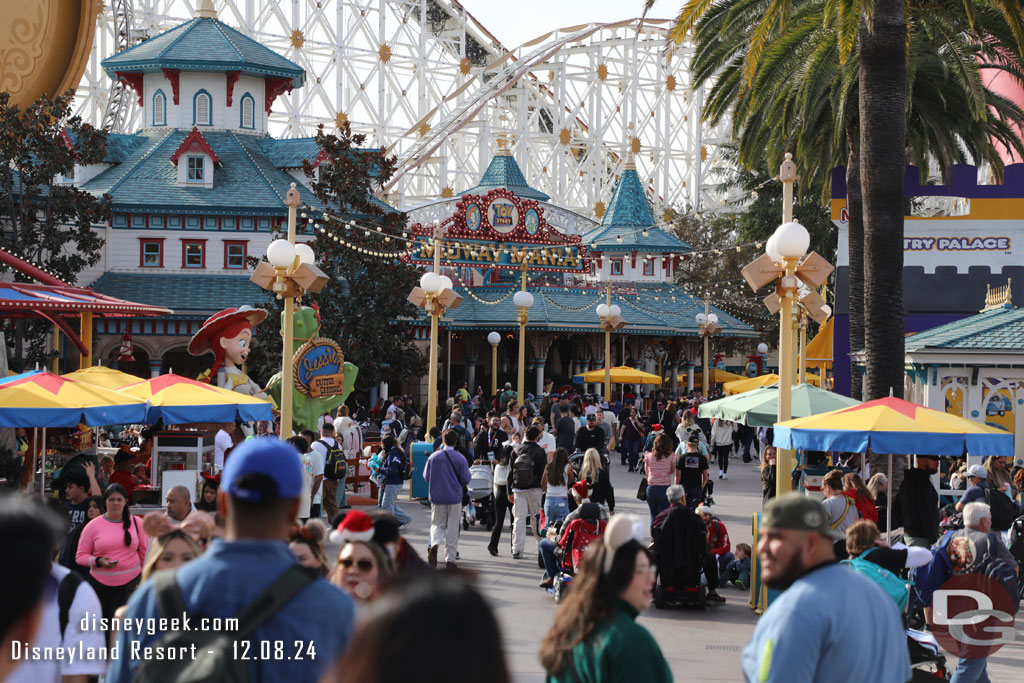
column 200, row 343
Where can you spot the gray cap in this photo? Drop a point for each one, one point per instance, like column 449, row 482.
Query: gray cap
column 977, row 471
column 798, row 512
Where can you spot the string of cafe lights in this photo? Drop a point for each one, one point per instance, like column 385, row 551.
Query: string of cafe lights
column 573, row 309
column 487, row 302
column 36, row 265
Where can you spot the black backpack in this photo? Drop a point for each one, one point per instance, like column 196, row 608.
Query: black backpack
column 1004, row 510
column 523, row 476
column 335, row 465
column 216, row 659
column 405, row 469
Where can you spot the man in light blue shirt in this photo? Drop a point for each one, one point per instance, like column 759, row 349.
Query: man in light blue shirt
column 259, row 497
column 830, row 623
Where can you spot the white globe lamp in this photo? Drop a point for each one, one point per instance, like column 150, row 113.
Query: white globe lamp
column 792, row 240
column 614, row 310
column 446, row 283
column 602, row 310
column 523, row 299
column 762, row 348
column 430, row 283
column 281, row 253
column 712, row 318
column 305, row 254
column 493, row 338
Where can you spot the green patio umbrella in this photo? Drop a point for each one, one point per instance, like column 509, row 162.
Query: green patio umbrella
column 760, row 408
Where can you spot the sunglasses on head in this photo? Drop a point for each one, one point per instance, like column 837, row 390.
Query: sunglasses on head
column 361, row 565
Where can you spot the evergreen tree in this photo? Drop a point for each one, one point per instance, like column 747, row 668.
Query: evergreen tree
column 44, row 219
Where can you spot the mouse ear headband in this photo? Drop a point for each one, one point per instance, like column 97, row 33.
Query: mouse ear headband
column 621, row 530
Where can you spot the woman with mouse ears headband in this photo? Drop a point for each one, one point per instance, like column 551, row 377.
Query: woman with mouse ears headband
column 595, row 635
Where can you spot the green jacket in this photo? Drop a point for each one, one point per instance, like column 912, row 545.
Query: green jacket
column 617, row 650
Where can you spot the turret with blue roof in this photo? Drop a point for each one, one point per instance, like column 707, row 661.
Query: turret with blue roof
column 504, row 172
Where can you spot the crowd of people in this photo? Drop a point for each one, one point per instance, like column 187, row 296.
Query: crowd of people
column 277, row 506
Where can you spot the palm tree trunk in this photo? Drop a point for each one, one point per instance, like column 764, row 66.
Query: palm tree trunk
column 855, row 243
column 883, row 124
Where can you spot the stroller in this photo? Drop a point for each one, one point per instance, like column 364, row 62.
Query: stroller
column 481, row 498
column 574, row 539
column 927, row 663
column 680, row 545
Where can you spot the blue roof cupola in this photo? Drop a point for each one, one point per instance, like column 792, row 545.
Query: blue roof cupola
column 503, row 171
column 204, row 45
column 628, row 224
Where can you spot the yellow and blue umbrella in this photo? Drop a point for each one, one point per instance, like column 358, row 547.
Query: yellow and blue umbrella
column 180, row 400
column 43, row 399
column 99, row 376
column 893, row 426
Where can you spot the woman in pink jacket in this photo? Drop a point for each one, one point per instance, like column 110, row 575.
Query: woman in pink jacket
column 113, row 546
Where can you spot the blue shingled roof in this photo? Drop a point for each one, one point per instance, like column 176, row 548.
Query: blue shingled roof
column 1001, row 329
column 119, row 145
column 290, row 153
column 245, row 181
column 204, row 294
column 204, row 45
column 672, row 313
column 628, row 216
column 503, row 171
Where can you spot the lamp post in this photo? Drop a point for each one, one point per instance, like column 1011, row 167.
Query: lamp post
column 523, row 300
column 708, row 324
column 290, row 272
column 785, row 264
column 434, row 295
column 494, row 339
column 611, row 319
column 762, row 351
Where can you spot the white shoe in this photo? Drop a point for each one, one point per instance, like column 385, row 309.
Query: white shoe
column 719, row 474
column 724, row 475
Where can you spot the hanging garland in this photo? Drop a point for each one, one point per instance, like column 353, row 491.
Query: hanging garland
column 571, row 308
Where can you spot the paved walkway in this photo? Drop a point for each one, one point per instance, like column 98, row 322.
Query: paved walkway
column 700, row 646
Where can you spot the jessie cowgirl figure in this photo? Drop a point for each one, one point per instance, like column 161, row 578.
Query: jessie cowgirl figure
column 228, row 335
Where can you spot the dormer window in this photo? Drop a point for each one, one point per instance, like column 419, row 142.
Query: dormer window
column 248, row 111
column 195, row 170
column 195, row 159
column 201, row 109
column 159, row 109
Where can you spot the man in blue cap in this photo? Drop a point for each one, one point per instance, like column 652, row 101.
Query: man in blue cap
column 259, row 498
column 830, row 623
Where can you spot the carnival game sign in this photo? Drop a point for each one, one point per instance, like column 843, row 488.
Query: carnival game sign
column 500, row 230
column 318, row 368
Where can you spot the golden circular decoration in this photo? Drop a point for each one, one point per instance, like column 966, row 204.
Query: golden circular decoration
column 447, row 192
column 599, row 209
column 670, row 82
column 564, row 136
column 298, row 40
column 602, row 72
column 340, row 119
column 424, row 129
column 44, row 46
column 634, row 145
column 465, row 65
column 384, row 53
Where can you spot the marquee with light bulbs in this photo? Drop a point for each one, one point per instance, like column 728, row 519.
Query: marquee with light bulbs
column 500, row 230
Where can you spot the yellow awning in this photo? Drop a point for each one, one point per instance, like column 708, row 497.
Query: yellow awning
column 742, row 386
column 819, row 349
column 622, row 375
column 717, row 377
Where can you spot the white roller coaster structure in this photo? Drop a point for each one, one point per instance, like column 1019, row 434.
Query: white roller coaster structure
column 428, row 81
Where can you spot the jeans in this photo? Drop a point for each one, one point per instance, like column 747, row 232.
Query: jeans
column 525, row 506
column 391, row 504
column 547, row 552
column 656, row 500
column 723, row 561
column 445, row 521
column 971, row 671
column 694, row 497
column 631, row 451
column 723, row 457
column 501, row 506
column 555, row 509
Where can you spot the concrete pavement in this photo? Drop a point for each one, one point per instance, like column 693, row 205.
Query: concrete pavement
column 699, row 646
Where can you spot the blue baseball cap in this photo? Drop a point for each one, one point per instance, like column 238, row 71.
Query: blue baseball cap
column 269, row 456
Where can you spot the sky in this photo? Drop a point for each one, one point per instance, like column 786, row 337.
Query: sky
column 514, row 23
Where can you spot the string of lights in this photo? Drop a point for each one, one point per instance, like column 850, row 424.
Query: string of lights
column 472, row 295
column 574, row 309
column 36, row 265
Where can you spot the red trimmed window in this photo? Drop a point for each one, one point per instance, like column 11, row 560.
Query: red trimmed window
column 616, row 264
column 193, row 253
column 235, row 252
column 648, row 267
column 151, row 253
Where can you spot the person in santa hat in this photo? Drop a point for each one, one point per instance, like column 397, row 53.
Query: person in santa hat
column 364, row 567
column 228, row 335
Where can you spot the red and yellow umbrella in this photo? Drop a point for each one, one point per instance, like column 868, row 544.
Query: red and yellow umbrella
column 180, row 400
column 43, row 399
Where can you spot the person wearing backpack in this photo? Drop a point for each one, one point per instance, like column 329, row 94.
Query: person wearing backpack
column 392, row 479
column 1004, row 510
column 329, row 461
column 842, row 512
column 250, row 575
column 524, row 481
column 976, row 549
column 882, row 564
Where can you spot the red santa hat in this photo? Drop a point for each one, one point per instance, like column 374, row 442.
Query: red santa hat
column 356, row 525
column 656, row 427
column 581, row 490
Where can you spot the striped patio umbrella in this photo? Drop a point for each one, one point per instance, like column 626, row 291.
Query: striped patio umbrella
column 43, row 399
column 180, row 400
column 99, row 376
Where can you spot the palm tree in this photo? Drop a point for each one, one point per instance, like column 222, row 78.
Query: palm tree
column 789, row 73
